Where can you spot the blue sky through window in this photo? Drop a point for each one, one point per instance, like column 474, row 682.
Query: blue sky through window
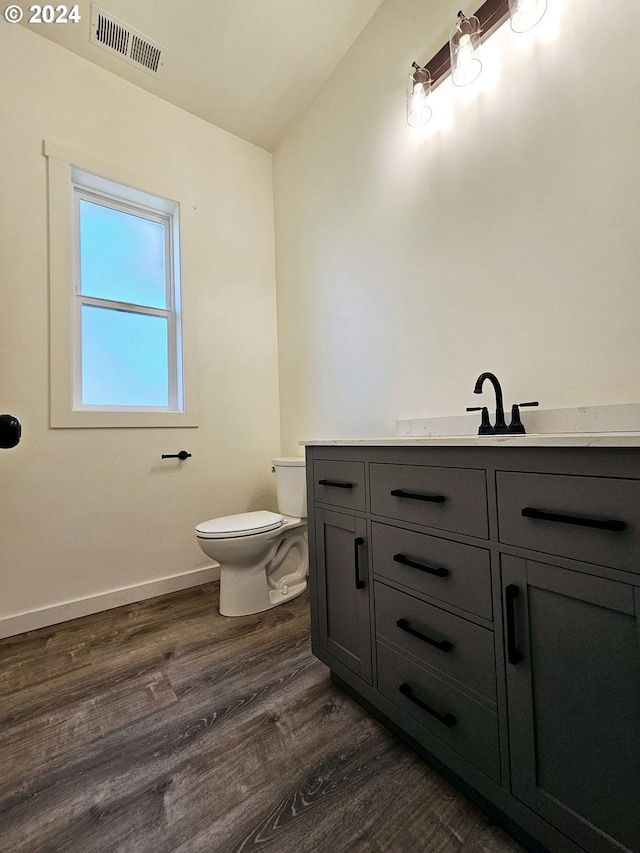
column 124, row 358
column 122, row 256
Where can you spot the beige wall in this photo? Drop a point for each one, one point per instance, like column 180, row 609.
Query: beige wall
column 87, row 513
column 503, row 237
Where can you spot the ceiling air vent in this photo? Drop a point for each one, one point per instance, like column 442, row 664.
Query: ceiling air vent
column 123, row 41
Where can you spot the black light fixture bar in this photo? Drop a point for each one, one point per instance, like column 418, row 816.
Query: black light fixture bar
column 491, row 15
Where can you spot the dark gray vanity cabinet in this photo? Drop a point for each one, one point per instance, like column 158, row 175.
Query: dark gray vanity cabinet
column 573, row 687
column 343, row 590
column 341, row 550
column 484, row 603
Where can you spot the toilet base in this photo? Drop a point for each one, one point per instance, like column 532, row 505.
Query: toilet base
column 280, row 575
column 243, row 594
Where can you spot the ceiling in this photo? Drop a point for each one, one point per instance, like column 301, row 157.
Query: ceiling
column 247, row 66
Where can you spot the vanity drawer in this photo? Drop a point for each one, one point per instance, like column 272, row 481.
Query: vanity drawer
column 448, row 571
column 463, row 724
column 448, row 498
column 458, row 648
column 572, row 516
column 339, row 483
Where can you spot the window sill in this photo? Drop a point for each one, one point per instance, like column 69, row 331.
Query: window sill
column 110, row 420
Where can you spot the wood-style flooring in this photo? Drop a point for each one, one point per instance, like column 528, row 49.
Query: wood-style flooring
column 163, row 727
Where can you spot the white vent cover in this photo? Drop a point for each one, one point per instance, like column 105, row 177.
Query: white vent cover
column 129, row 44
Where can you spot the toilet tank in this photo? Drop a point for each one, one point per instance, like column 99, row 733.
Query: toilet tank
column 291, row 486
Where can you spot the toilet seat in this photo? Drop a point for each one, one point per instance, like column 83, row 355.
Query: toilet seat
column 242, row 524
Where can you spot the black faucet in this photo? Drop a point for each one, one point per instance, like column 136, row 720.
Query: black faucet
column 500, row 427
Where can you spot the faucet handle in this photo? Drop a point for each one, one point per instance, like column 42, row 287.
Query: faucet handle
column 516, row 427
column 485, row 427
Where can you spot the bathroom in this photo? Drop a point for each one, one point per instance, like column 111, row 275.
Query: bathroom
column 344, row 271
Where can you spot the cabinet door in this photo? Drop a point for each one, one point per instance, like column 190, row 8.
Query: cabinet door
column 343, row 590
column 573, row 687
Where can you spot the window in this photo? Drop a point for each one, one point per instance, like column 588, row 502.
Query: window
column 127, row 294
column 118, row 348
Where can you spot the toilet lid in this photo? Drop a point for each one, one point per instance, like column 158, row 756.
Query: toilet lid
column 243, row 524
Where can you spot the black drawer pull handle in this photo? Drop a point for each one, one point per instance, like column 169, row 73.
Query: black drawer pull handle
column 443, row 645
column 447, row 719
column 432, row 570
column 338, row 484
column 601, row 524
column 357, row 542
column 418, row 496
column 510, row 594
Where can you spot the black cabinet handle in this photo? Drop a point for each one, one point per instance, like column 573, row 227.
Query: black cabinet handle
column 338, row 484
column 182, row 455
column 423, row 567
column 357, row 542
column 510, row 594
column 418, row 496
column 601, row 524
column 446, row 719
column 443, row 645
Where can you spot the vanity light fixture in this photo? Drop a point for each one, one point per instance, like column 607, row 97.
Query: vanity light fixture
column 418, row 88
column 525, row 14
column 464, row 47
column 459, row 56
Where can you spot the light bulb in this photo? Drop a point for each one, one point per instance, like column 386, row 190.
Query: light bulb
column 464, row 45
column 418, row 88
column 418, row 113
column 465, row 50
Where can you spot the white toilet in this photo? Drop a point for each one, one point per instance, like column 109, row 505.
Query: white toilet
column 263, row 556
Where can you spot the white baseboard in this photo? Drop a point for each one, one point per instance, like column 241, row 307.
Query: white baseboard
column 45, row 616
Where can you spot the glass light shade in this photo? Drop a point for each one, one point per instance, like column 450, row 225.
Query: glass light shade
column 525, row 14
column 418, row 88
column 464, row 47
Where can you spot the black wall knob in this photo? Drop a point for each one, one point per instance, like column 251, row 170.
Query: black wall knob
column 10, row 431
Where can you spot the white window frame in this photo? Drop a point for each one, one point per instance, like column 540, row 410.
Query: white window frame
column 73, row 177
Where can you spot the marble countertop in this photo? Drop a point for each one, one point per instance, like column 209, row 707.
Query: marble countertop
column 583, row 439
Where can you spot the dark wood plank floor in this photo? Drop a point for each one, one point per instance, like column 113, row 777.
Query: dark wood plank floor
column 162, row 727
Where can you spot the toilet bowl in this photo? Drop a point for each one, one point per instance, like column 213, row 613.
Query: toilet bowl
column 263, row 556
